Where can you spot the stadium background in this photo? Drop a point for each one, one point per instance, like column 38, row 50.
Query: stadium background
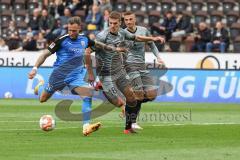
column 41, row 21
column 22, row 36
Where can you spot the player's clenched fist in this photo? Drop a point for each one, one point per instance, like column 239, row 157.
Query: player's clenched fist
column 159, row 38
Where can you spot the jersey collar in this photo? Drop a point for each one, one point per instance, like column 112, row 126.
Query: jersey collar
column 133, row 31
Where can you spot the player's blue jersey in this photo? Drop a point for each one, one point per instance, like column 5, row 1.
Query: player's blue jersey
column 67, row 49
column 68, row 68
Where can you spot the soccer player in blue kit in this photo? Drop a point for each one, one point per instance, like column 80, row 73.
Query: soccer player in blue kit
column 69, row 70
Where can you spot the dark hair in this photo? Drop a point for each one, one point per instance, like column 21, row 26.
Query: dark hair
column 115, row 15
column 75, row 20
column 128, row 13
column 180, row 12
column 168, row 12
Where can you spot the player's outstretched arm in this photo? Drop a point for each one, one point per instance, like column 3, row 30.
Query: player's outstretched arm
column 41, row 59
column 149, row 38
column 106, row 47
column 156, row 52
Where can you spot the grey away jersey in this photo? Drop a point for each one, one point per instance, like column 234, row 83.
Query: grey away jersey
column 110, row 62
column 137, row 52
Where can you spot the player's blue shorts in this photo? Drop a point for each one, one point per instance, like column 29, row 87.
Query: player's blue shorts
column 62, row 78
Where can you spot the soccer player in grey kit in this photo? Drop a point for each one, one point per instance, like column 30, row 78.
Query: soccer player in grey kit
column 110, row 67
column 140, row 79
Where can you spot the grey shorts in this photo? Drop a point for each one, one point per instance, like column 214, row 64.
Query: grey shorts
column 141, row 80
column 114, row 85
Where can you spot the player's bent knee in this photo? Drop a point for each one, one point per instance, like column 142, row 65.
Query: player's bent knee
column 131, row 100
column 118, row 102
column 139, row 95
column 130, row 96
column 151, row 95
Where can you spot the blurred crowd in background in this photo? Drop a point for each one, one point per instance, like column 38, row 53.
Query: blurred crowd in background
column 32, row 25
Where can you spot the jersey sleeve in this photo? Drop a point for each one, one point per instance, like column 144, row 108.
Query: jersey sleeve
column 54, row 46
column 152, row 45
column 101, row 37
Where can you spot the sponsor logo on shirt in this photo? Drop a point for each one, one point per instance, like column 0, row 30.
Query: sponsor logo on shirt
column 83, row 43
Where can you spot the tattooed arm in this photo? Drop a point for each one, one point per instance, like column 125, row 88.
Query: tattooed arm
column 106, row 47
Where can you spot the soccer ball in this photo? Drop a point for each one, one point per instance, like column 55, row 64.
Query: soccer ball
column 8, row 95
column 47, row 123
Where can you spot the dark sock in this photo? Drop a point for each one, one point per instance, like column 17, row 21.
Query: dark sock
column 145, row 100
column 136, row 111
column 129, row 113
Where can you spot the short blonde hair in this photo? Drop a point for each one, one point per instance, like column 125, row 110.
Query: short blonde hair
column 75, row 20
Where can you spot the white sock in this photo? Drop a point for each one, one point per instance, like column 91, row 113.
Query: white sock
column 85, row 125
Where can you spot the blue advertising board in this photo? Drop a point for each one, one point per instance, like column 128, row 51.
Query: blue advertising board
column 214, row 86
column 217, row 86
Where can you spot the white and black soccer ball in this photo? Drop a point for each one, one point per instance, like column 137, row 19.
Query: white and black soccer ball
column 47, row 123
column 8, row 95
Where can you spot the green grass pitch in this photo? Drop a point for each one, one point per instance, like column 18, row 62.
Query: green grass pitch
column 172, row 131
